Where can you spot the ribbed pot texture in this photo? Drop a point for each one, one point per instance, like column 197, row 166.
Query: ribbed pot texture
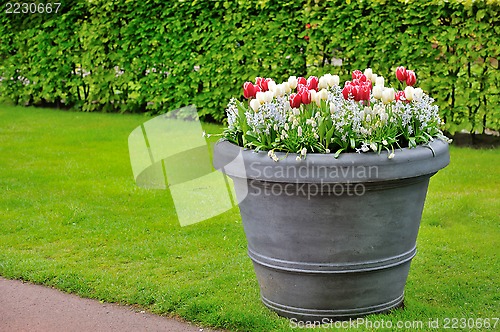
column 331, row 238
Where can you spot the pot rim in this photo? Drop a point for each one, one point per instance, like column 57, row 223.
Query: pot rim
column 351, row 167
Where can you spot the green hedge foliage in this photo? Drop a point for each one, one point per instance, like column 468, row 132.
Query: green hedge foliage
column 154, row 56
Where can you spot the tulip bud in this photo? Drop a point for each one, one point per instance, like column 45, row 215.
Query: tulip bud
column 418, row 93
column 279, row 90
column 364, row 91
column 292, row 80
column 409, row 93
column 258, row 81
column 374, row 78
column 379, row 81
column 254, row 104
column 368, row 73
column 411, row 78
column 295, row 100
column 388, row 95
column 347, row 91
column 312, row 83
column 301, row 80
column 305, row 96
column 263, row 83
column 271, row 85
column 334, row 80
column 333, row 109
column 356, row 92
column 323, row 82
column 268, row 96
column 401, row 73
column 377, row 91
column 287, row 87
column 400, row 96
column 356, row 74
column 249, row 90
column 261, row 97
column 314, row 96
column 323, row 94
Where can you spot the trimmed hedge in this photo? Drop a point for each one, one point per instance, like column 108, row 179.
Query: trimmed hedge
column 154, row 56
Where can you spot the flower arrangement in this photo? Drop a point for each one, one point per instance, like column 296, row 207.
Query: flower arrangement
column 317, row 115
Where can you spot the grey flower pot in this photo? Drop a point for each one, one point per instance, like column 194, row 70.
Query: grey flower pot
column 331, row 238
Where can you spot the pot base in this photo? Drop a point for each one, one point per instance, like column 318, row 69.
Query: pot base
column 327, row 316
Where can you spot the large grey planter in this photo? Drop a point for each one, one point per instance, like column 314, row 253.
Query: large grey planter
column 319, row 250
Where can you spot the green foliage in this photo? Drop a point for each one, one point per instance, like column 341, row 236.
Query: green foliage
column 155, row 56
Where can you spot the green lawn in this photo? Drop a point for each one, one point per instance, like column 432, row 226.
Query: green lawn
column 72, row 217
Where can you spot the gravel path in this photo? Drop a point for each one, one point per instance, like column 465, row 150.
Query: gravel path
column 34, row 308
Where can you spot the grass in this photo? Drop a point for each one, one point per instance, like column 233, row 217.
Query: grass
column 73, row 218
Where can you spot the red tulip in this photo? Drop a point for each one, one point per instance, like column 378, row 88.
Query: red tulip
column 356, row 74
column 312, row 83
column 305, row 96
column 347, row 91
column 356, row 92
column 411, row 78
column 302, row 81
column 262, row 83
column 295, row 100
column 249, row 90
column 400, row 95
column 364, row 92
column 401, row 73
column 301, row 86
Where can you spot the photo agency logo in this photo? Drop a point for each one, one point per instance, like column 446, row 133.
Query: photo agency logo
column 305, row 178
column 170, row 151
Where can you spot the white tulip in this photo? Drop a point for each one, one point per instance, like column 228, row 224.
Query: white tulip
column 368, row 73
column 323, row 94
column 334, row 80
column 287, row 87
column 377, row 91
column 409, row 93
column 271, row 85
column 374, row 78
column 323, row 82
column 254, row 104
column 388, row 95
column 292, row 80
column 261, row 97
column 380, row 81
column 332, row 108
column 417, row 93
column 279, row 91
column 269, row 95
column 314, row 95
